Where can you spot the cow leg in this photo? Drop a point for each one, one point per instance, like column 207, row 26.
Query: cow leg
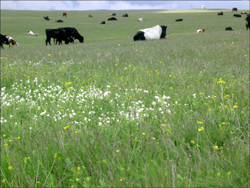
column 1, row 45
column 48, row 41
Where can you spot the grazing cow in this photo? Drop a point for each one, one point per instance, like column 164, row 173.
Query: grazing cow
column 220, row 14
column 112, row 18
column 157, row 32
column 140, row 19
column 200, row 31
column 234, row 9
column 46, row 18
column 65, row 14
column 12, row 42
column 90, row 16
column 114, row 14
column 248, row 22
column 237, row 15
column 103, row 22
column 59, row 21
column 125, row 15
column 229, row 29
column 58, row 34
column 179, row 20
column 3, row 40
column 72, row 34
column 244, row 12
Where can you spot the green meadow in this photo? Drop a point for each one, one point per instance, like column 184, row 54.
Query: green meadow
column 111, row 112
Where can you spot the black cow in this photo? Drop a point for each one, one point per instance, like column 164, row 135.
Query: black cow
column 3, row 40
column 112, row 18
column 157, row 32
column 103, row 22
column 58, row 34
column 59, row 21
column 114, row 14
column 220, row 14
column 125, row 15
column 179, row 20
column 46, row 18
column 73, row 34
column 229, row 29
column 248, row 22
column 237, row 15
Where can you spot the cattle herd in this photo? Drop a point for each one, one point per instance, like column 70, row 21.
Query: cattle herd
column 69, row 34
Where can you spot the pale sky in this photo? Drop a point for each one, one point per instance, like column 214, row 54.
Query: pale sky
column 121, row 5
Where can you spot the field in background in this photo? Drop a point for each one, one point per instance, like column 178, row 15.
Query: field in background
column 92, row 30
column 112, row 112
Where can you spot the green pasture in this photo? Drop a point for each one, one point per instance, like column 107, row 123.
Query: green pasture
column 15, row 23
column 111, row 112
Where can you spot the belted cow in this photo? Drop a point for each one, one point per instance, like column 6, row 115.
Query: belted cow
column 156, row 32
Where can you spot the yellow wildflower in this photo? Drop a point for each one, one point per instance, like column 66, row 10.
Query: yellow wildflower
column 221, row 81
column 163, row 125
column 201, row 129
column 199, row 122
column 6, row 145
column 215, row 148
column 117, row 151
column 226, row 96
column 143, row 134
column 66, row 127
column 10, row 168
column 49, row 55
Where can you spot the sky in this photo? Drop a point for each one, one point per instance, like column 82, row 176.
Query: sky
column 121, row 5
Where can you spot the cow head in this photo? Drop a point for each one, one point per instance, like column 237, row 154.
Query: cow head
column 81, row 39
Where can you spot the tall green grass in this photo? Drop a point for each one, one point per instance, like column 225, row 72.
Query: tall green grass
column 112, row 112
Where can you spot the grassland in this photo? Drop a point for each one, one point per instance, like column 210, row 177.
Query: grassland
column 112, row 112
